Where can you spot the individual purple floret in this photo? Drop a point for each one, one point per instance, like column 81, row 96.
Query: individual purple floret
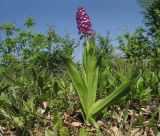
column 83, row 23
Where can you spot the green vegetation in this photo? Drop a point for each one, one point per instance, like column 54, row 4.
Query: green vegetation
column 44, row 90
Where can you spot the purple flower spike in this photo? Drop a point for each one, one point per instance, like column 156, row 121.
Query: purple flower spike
column 83, row 23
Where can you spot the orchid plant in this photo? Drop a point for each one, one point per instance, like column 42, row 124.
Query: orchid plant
column 85, row 80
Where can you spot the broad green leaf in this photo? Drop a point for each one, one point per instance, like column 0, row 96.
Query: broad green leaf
column 140, row 83
column 78, row 84
column 115, row 95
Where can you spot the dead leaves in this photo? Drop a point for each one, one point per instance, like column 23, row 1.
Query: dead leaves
column 120, row 122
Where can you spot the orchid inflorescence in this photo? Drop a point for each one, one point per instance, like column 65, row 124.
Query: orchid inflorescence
column 83, row 23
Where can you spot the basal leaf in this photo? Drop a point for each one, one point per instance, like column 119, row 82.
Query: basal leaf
column 79, row 84
column 115, row 95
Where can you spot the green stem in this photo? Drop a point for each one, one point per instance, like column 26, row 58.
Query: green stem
column 87, row 42
column 94, row 123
